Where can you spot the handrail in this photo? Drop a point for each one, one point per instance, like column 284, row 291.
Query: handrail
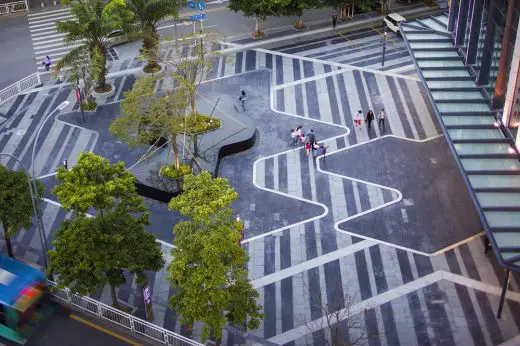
column 123, row 319
column 12, row 7
column 19, row 87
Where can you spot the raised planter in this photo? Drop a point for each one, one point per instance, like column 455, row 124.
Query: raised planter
column 159, row 73
column 101, row 98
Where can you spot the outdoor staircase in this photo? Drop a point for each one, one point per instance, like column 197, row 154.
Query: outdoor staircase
column 484, row 149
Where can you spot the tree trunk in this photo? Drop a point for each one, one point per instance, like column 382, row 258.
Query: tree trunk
column 195, row 145
column 102, row 78
column 8, row 242
column 217, row 342
column 192, row 103
column 299, row 23
column 175, row 151
column 257, row 33
column 115, row 302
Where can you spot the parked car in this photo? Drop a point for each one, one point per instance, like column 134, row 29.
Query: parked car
column 392, row 21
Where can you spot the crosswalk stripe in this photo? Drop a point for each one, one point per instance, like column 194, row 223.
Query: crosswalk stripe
column 50, row 19
column 67, row 48
column 47, row 29
column 36, row 37
column 46, row 13
column 40, row 44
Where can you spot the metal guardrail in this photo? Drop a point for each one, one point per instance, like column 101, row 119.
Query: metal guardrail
column 19, row 87
column 120, row 318
column 13, row 7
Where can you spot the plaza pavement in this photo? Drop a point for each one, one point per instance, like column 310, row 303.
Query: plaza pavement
column 308, row 222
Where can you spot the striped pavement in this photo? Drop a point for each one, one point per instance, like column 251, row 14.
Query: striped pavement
column 360, row 48
column 403, row 298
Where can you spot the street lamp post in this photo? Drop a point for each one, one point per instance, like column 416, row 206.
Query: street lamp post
column 34, row 198
column 383, row 43
column 39, row 222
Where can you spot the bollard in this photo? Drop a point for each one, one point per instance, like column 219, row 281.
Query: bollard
column 42, row 4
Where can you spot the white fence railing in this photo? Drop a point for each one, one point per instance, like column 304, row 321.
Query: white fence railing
column 12, row 7
column 120, row 318
column 19, row 87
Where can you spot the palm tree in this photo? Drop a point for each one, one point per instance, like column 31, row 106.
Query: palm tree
column 148, row 13
column 96, row 21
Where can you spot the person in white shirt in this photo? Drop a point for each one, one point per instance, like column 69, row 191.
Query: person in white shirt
column 381, row 118
column 357, row 119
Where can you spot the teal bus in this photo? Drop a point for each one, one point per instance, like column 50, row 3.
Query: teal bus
column 24, row 300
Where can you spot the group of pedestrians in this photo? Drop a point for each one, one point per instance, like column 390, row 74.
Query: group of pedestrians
column 381, row 117
column 309, row 140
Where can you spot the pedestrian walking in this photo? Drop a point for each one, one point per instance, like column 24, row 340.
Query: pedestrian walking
column 307, row 148
column 357, row 119
column 381, row 118
column 334, row 20
column 47, row 63
column 369, row 118
column 242, row 99
column 311, row 138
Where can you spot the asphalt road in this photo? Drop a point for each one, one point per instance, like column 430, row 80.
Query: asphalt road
column 16, row 52
column 73, row 329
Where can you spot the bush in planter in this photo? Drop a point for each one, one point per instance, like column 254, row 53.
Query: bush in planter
column 173, row 173
column 104, row 88
column 200, row 123
column 89, row 105
column 152, row 68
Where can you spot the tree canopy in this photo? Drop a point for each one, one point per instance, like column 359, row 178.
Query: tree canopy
column 207, row 270
column 148, row 14
column 92, row 251
column 95, row 22
column 16, row 208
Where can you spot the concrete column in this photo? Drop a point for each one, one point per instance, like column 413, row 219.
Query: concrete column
column 475, row 22
column 452, row 17
column 503, row 64
column 512, row 85
column 462, row 21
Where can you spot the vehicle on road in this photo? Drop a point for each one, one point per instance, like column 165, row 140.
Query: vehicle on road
column 392, row 21
column 24, row 302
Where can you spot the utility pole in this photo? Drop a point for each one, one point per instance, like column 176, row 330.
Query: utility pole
column 383, row 43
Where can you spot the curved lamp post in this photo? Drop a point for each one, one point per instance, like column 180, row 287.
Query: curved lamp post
column 39, row 221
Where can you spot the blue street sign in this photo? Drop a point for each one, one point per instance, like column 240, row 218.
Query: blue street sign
column 198, row 16
column 199, row 5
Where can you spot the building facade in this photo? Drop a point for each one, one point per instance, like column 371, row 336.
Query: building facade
column 486, row 32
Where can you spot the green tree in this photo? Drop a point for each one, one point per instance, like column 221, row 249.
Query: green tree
column 91, row 252
column 297, row 7
column 16, row 208
column 95, row 22
column 148, row 13
column 261, row 9
column 207, row 270
column 147, row 116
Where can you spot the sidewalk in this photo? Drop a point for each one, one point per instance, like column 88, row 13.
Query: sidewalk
column 325, row 24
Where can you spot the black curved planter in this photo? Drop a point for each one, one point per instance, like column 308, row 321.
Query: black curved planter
column 225, row 150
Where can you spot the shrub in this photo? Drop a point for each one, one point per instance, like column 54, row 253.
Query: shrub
column 89, row 105
column 152, row 68
column 200, row 123
column 173, row 173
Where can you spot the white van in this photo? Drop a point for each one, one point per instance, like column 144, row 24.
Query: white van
column 392, row 20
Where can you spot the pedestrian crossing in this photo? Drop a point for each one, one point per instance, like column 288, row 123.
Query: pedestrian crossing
column 45, row 39
column 361, row 48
